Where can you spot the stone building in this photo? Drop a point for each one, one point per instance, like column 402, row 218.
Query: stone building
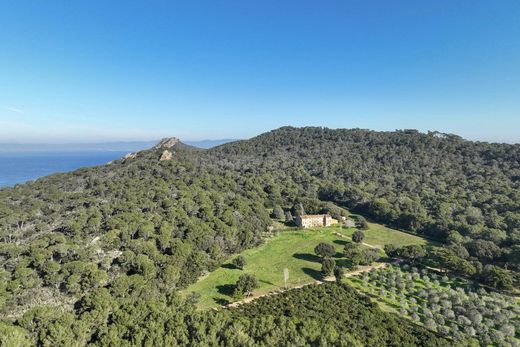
column 315, row 220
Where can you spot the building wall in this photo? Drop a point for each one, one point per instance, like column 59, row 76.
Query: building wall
column 328, row 220
column 315, row 221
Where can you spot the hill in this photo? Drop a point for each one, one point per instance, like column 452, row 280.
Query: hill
column 141, row 228
column 460, row 192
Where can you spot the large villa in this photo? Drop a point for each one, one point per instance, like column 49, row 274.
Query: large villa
column 315, row 220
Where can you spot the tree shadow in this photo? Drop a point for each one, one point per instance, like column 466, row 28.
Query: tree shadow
column 344, row 263
column 221, row 301
column 385, row 259
column 266, row 282
column 226, row 289
column 341, row 242
column 313, row 273
column 229, row 266
column 307, row 257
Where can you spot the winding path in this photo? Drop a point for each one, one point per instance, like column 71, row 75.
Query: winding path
column 327, row 279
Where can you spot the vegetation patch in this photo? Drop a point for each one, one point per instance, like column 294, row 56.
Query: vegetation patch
column 292, row 250
column 447, row 305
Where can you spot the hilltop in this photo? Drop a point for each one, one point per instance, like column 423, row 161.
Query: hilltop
column 111, row 237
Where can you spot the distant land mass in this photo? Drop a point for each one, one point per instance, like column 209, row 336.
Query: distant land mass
column 120, row 146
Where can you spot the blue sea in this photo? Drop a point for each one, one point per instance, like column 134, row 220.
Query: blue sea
column 22, row 167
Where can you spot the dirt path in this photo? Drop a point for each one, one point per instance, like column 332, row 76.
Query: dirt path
column 327, row 279
column 363, row 243
column 371, row 246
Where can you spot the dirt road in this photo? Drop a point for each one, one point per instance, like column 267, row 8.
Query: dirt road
column 327, row 279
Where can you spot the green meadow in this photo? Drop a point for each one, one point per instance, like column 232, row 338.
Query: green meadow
column 291, row 249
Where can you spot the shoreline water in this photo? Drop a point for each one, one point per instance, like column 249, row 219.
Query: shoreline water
column 17, row 168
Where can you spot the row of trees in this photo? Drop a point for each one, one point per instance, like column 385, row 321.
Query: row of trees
column 445, row 305
column 453, row 259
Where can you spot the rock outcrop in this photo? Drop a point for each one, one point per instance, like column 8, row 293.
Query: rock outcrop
column 167, row 142
column 130, row 156
column 166, row 155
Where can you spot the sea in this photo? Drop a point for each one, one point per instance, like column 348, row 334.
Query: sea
column 22, row 167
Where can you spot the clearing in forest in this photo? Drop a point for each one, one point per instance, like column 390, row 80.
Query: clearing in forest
column 291, row 249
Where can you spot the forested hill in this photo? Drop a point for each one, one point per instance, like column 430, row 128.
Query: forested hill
column 431, row 183
column 460, row 192
column 154, row 221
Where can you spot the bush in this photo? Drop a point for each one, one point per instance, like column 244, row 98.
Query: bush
column 361, row 223
column 239, row 262
column 327, row 267
column 324, row 249
column 339, row 273
column 358, row 236
column 245, row 285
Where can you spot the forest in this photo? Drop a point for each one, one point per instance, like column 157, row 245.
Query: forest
column 85, row 255
column 325, row 315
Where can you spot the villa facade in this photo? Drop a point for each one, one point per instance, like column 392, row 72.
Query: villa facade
column 315, row 220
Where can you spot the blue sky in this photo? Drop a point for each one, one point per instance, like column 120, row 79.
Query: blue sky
column 87, row 71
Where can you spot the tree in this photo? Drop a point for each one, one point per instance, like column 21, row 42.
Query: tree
column 391, row 250
column 288, row 216
column 278, row 212
column 454, row 237
column 327, row 266
column 325, row 250
column 496, row 277
column 298, row 209
column 339, row 273
column 430, row 324
column 474, row 316
column 459, row 250
column 446, row 259
column 412, row 252
column 484, row 249
column 358, row 236
column 353, row 252
column 370, row 255
column 14, row 336
column 361, row 223
column 239, row 262
column 245, row 285
column 193, row 298
column 513, row 257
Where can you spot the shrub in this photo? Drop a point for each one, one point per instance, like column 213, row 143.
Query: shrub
column 324, row 249
column 327, row 266
column 239, row 262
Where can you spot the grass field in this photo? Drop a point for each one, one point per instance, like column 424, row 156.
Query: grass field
column 292, row 249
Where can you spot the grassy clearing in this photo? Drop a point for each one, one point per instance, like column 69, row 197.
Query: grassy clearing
column 292, row 249
column 379, row 235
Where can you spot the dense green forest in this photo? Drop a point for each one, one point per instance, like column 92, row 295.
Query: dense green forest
column 326, row 315
column 81, row 250
column 465, row 194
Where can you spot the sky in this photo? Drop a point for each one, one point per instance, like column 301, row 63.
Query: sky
column 90, row 71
